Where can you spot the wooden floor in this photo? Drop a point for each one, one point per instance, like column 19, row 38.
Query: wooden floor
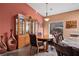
column 26, row 51
column 51, row 52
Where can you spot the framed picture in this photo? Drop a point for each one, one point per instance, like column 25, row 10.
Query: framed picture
column 71, row 24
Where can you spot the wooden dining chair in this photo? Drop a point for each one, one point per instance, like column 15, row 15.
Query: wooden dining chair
column 35, row 43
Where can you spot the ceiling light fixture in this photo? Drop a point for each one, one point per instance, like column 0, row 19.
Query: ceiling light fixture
column 46, row 18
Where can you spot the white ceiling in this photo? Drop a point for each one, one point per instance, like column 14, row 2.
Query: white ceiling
column 54, row 8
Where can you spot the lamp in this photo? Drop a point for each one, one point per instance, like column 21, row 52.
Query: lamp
column 46, row 18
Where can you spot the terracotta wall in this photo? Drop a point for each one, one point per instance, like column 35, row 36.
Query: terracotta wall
column 9, row 11
column 63, row 17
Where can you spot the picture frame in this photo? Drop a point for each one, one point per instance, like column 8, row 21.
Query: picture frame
column 71, row 24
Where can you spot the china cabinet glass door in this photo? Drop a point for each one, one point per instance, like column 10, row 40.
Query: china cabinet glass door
column 31, row 26
column 20, row 24
column 28, row 26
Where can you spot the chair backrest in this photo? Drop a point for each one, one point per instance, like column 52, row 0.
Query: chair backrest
column 33, row 40
column 58, row 37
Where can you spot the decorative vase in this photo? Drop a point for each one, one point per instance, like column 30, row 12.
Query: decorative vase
column 3, row 47
column 12, row 43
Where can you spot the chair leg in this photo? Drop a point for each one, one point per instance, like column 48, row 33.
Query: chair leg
column 59, row 54
column 37, row 50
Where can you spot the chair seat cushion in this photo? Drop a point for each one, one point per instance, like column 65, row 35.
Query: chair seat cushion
column 41, row 47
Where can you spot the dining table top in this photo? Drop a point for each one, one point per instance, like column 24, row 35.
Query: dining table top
column 42, row 39
column 45, row 38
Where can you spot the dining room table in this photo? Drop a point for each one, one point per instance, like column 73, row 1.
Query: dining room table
column 46, row 41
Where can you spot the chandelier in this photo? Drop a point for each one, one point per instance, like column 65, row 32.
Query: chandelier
column 46, row 18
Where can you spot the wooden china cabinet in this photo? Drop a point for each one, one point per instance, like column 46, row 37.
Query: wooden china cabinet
column 24, row 26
